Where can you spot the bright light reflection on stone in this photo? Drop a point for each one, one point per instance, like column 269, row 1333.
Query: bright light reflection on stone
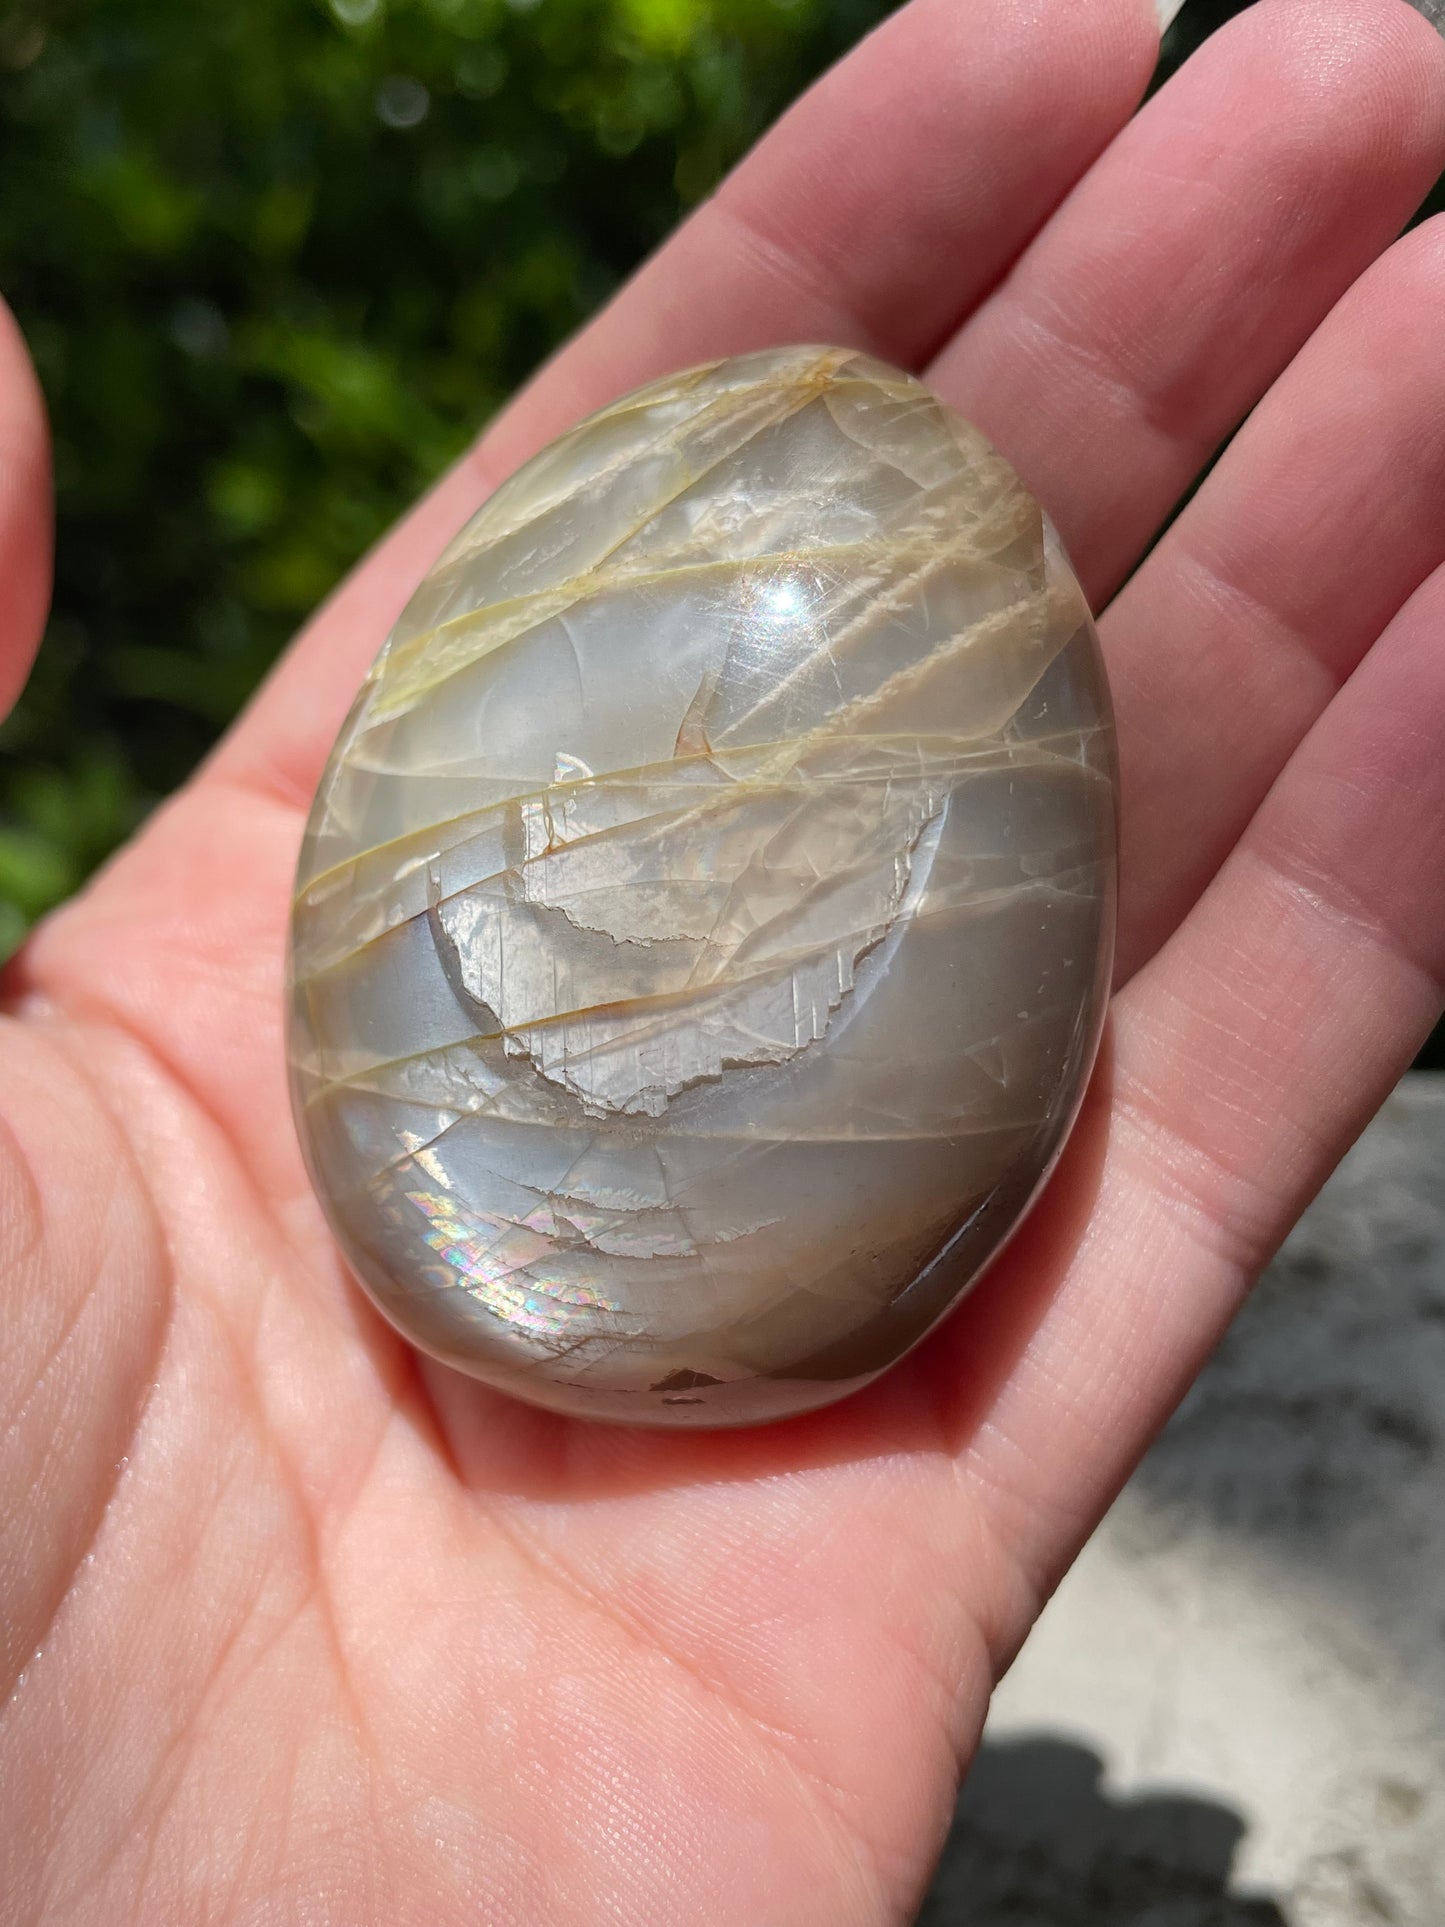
column 704, row 921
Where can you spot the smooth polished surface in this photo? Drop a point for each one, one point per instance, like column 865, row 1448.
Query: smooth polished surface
column 704, row 922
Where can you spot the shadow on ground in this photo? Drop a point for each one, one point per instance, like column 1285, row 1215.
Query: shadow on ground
column 1285, row 1530
column 1038, row 1841
column 1317, row 1432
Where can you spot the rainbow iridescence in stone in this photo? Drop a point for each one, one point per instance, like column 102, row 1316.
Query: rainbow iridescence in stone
column 704, row 921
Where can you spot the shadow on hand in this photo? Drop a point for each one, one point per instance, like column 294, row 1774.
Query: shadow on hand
column 1038, row 1842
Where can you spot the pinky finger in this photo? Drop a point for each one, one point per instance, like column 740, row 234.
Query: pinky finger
column 25, row 512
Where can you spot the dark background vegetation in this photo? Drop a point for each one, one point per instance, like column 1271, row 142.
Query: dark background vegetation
column 276, row 262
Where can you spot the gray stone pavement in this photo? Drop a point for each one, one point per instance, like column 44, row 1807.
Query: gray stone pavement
column 1233, row 1712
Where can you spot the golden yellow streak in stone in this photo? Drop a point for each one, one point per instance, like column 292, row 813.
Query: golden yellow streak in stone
column 704, row 920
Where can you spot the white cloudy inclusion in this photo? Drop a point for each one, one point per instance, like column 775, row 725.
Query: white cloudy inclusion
column 704, row 919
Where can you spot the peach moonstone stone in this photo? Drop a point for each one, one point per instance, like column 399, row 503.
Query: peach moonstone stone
column 704, row 922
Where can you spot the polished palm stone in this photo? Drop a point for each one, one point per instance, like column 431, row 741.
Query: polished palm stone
column 704, row 921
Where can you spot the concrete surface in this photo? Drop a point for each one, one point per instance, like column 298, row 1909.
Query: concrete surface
column 1233, row 1712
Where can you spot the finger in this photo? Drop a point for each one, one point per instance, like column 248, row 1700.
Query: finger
column 1248, row 1054
column 1322, row 518
column 1195, row 258
column 25, row 538
column 874, row 214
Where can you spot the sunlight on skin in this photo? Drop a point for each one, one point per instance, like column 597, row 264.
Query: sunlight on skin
column 300, row 1627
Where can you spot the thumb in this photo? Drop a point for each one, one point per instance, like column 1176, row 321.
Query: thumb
column 25, row 511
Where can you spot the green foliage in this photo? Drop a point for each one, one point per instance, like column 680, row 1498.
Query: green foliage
column 276, row 263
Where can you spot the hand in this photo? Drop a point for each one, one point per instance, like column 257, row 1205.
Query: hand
column 305, row 1628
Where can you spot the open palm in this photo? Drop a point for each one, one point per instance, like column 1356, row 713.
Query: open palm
column 302, row 1628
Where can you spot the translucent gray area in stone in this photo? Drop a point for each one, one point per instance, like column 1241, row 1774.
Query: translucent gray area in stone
column 704, row 922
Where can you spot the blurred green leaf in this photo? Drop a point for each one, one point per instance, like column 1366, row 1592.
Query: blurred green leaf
column 33, row 871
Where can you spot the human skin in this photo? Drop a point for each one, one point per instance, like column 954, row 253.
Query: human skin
column 298, row 1626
